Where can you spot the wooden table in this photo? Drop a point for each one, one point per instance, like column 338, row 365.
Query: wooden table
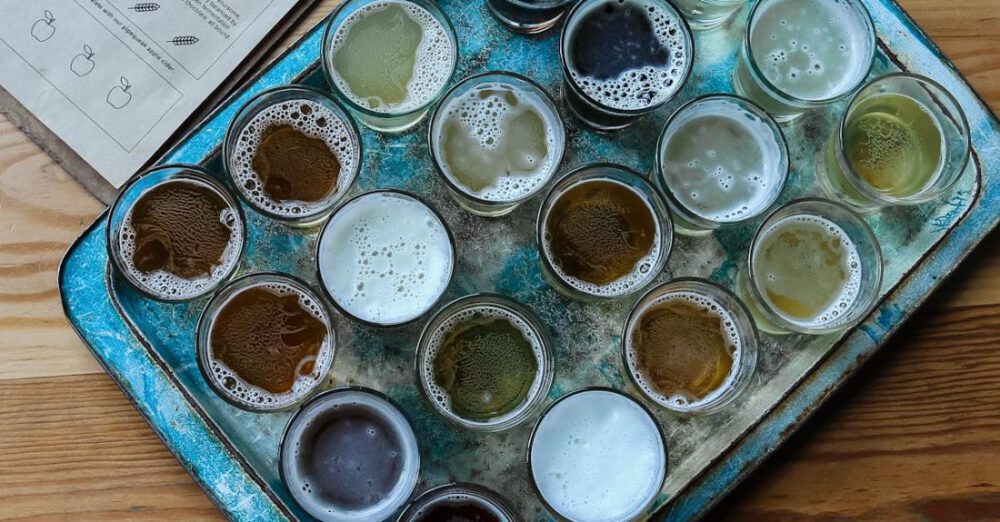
column 915, row 436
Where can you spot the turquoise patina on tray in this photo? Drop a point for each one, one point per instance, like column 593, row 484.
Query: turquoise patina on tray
column 147, row 347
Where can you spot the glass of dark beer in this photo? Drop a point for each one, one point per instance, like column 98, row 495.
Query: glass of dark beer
column 622, row 59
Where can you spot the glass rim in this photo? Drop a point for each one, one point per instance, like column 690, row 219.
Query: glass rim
column 662, row 218
column 568, row 78
column 546, row 366
column 254, row 106
column 747, row 331
column 467, row 82
column 539, row 4
column 327, row 67
column 937, row 92
column 198, row 173
column 748, row 105
column 475, row 490
column 324, row 395
column 399, row 193
column 776, row 92
column 588, row 389
column 206, row 320
column 869, row 235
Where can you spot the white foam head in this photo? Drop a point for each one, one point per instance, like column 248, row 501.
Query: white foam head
column 320, row 123
column 597, row 456
column 631, row 89
column 171, row 286
column 679, row 402
column 486, row 118
column 385, row 257
column 812, row 49
column 638, row 277
column 433, row 65
column 441, row 399
column 850, row 289
column 721, row 162
column 258, row 398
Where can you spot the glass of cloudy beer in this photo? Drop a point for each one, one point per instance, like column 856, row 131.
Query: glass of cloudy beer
column 389, row 60
column 496, row 139
column 814, row 267
column 622, row 59
column 721, row 161
column 292, row 153
column 596, row 455
column 903, row 140
column 385, row 258
column 484, row 362
column 690, row 345
column 175, row 233
column 802, row 54
column 603, row 232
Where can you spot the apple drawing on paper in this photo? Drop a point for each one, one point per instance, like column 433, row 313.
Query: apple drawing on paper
column 43, row 29
column 82, row 63
column 119, row 96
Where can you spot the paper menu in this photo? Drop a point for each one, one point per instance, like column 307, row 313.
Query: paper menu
column 115, row 78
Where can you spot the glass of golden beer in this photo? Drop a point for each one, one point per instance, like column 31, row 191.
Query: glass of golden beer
column 814, row 267
column 604, row 231
column 903, row 140
column 690, row 345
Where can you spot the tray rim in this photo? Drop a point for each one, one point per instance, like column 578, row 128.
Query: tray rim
column 757, row 442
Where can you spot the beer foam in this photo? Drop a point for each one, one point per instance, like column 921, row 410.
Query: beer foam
column 639, row 88
column 441, row 399
column 311, row 419
column 721, row 162
column 432, row 67
column 642, row 274
column 312, row 119
column 677, row 401
column 257, row 398
column 852, row 287
column 385, row 257
column 486, row 118
column 170, row 286
column 598, row 456
column 814, row 49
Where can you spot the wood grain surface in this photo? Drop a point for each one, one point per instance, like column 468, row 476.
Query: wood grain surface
column 915, row 436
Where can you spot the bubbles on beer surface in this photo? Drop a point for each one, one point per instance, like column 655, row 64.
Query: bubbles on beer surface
column 180, row 237
column 629, row 54
column 602, row 237
column 483, row 365
column 586, row 440
column 311, row 120
column 391, row 56
column 269, row 345
column 814, row 49
column 894, row 143
column 385, row 258
column 808, row 269
column 721, row 162
column 498, row 142
column 683, row 349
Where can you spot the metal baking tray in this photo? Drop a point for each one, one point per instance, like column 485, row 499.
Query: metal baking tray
column 147, row 347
